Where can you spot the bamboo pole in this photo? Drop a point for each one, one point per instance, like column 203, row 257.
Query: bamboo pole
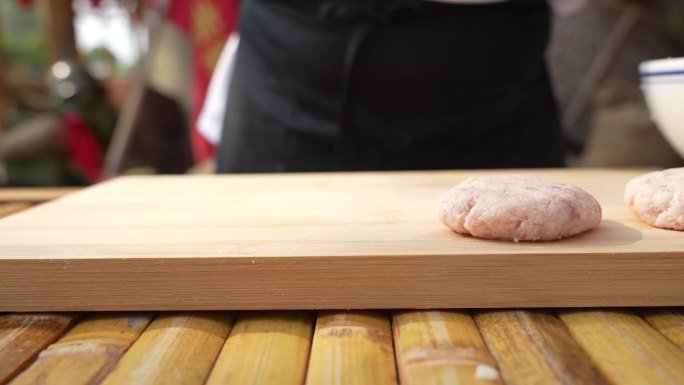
column 352, row 348
column 535, row 348
column 11, row 208
column 265, row 348
column 23, row 336
column 441, row 347
column 87, row 352
column 34, row 195
column 626, row 348
column 669, row 322
column 176, row 348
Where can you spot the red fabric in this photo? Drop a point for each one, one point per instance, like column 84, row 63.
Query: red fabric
column 208, row 23
column 84, row 150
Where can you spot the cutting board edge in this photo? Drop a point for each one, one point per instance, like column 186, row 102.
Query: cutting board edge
column 352, row 282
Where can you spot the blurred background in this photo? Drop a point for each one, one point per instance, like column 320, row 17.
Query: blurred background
column 90, row 89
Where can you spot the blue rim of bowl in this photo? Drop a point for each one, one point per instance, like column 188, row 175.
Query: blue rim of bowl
column 663, row 77
column 661, row 73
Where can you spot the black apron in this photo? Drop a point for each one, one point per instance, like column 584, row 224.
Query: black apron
column 390, row 85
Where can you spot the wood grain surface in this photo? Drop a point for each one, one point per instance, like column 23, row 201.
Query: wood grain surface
column 319, row 241
column 427, row 346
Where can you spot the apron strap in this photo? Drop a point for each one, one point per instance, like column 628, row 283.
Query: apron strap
column 364, row 15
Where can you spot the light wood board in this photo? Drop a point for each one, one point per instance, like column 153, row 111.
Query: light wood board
column 300, row 241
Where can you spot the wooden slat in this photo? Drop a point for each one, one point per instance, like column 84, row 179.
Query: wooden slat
column 352, row 348
column 13, row 207
column 279, row 237
column 626, row 348
column 265, row 348
column 87, row 352
column 60, row 34
column 669, row 322
column 34, row 195
column 174, row 349
column 534, row 347
column 23, row 336
column 441, row 347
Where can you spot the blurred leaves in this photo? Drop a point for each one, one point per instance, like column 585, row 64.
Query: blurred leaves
column 24, row 44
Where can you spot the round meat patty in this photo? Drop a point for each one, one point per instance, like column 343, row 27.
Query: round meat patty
column 518, row 208
column 658, row 198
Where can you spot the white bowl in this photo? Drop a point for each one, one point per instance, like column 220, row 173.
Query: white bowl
column 662, row 82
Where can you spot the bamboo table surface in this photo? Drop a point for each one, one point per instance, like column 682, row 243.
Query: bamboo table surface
column 577, row 346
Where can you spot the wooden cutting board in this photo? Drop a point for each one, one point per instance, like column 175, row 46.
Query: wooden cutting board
column 360, row 240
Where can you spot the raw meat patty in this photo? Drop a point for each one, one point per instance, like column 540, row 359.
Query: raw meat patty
column 658, row 198
column 518, row 208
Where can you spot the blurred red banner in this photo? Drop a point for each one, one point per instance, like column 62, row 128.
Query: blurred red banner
column 208, row 23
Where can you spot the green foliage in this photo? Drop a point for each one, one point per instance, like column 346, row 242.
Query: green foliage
column 24, row 43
